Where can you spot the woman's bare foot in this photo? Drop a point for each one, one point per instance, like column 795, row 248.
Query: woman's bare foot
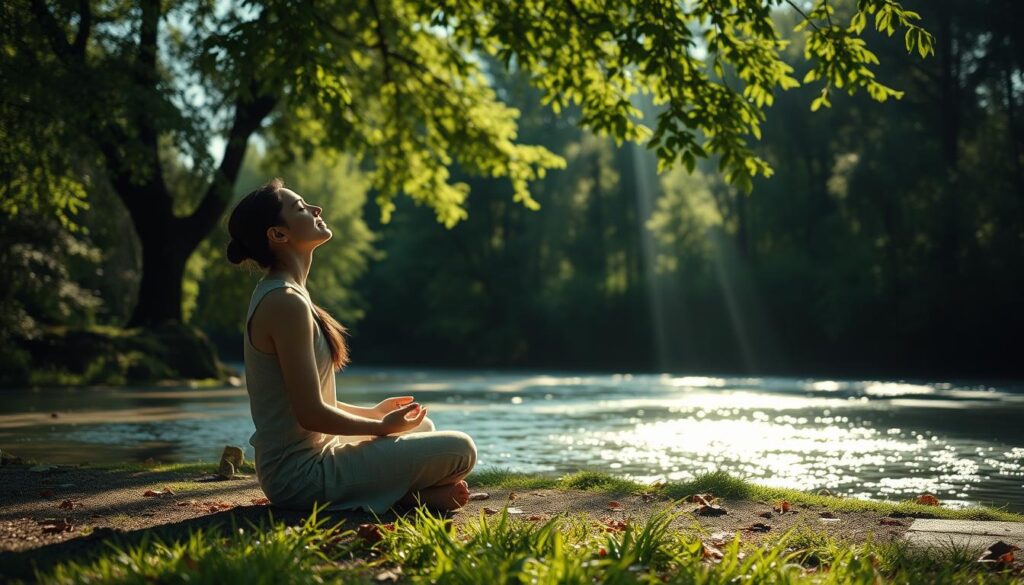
column 441, row 497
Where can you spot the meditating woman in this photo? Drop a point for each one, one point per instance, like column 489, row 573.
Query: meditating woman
column 309, row 446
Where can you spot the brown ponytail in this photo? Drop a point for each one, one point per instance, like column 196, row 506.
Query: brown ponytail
column 247, row 225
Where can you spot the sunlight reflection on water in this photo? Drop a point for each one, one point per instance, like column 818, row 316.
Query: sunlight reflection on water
column 865, row 438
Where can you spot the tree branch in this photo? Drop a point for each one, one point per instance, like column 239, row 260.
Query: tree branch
column 248, row 117
column 84, row 28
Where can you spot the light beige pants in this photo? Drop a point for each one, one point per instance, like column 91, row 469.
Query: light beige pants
column 373, row 472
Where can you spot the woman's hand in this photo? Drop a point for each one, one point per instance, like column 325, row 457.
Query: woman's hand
column 388, row 404
column 396, row 421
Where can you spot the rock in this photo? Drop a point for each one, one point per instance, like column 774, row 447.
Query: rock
column 230, row 461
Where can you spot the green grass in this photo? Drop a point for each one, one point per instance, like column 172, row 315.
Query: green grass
column 723, row 485
column 423, row 548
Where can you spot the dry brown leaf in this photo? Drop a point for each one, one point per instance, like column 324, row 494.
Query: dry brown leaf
column 261, row 501
column 157, row 493
column 369, row 532
column 765, row 514
column 757, row 527
column 999, row 553
column 52, row 526
column 712, row 553
column 490, row 511
column 479, row 496
column 612, row 524
column 702, row 499
column 927, row 500
column 535, row 517
column 711, row 511
column 188, row 503
column 614, row 505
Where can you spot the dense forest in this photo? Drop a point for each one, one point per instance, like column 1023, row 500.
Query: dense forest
column 888, row 242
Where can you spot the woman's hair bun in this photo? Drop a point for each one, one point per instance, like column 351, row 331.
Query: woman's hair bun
column 236, row 252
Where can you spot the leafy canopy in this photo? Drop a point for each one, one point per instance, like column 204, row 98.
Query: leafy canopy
column 400, row 83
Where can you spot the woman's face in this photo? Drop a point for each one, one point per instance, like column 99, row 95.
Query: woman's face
column 304, row 226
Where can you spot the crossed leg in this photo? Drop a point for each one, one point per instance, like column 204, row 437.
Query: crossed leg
column 452, row 493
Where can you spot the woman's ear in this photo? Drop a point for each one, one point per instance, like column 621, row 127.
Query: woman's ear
column 276, row 234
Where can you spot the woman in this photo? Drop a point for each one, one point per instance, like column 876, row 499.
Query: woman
column 310, row 447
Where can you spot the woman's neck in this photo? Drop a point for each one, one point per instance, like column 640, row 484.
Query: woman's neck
column 292, row 268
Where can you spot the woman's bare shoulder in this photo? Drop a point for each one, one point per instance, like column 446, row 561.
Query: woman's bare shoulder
column 283, row 315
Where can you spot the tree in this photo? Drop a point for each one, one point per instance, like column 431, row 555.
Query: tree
column 397, row 83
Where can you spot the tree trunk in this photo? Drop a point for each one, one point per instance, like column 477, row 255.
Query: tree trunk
column 163, row 268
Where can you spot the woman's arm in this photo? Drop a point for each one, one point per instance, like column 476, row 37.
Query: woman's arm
column 292, row 333
column 358, row 410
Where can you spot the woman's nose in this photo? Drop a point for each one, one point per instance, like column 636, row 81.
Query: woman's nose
column 317, row 211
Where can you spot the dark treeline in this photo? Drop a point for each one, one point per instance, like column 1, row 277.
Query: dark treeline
column 889, row 242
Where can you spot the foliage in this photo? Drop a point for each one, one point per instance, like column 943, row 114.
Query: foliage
column 401, row 84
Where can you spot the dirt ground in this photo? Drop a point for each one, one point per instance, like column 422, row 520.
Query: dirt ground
column 66, row 511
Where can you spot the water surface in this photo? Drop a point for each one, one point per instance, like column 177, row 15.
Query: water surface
column 874, row 439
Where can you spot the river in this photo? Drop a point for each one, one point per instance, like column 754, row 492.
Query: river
column 871, row 439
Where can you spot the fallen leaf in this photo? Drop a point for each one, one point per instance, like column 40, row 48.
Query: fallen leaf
column 369, row 532
column 261, row 501
column 57, row 526
column 490, row 511
column 710, row 510
column 927, row 500
column 827, row 514
column 702, row 499
column 157, row 493
column 999, row 553
column 535, row 517
column 70, row 504
column 614, row 505
column 712, row 553
column 188, row 503
column 613, row 525
column 758, row 527
column 511, row 495
column 765, row 514
column 890, row 522
column 479, row 496
column 783, row 507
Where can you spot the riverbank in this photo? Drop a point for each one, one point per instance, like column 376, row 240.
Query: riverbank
column 111, row 356
column 56, row 519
